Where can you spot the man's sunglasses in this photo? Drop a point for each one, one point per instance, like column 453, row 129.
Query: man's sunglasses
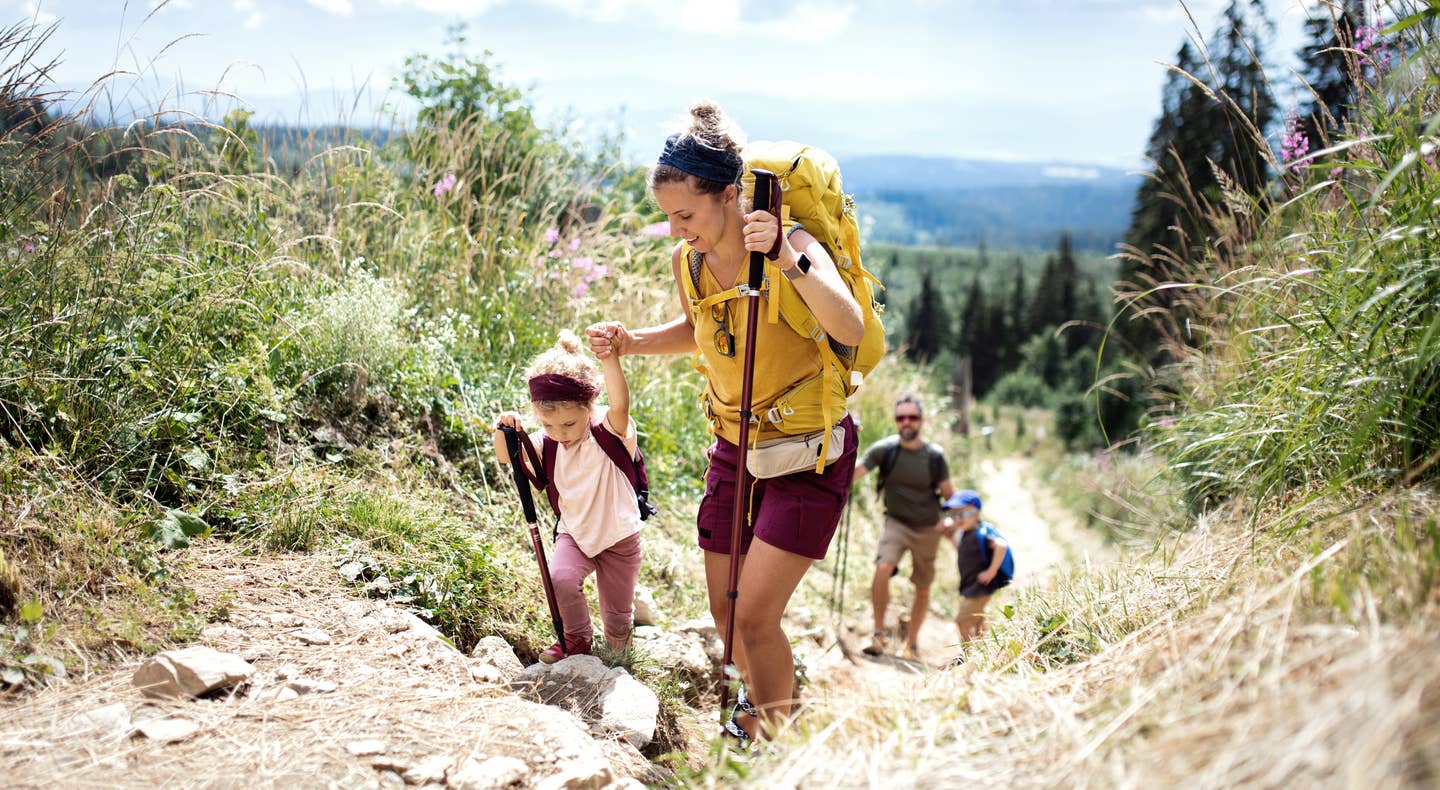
column 907, row 418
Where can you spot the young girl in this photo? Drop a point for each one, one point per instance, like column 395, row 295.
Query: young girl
column 599, row 528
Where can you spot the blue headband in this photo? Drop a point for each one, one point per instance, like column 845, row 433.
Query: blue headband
column 690, row 154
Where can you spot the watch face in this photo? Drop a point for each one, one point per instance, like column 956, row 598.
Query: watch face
column 803, row 264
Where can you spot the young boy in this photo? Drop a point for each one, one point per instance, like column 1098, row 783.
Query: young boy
column 982, row 556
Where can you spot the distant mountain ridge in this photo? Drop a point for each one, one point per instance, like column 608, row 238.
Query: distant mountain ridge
column 962, row 202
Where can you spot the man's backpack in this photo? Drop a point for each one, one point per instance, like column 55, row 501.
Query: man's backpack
column 892, row 454
column 812, row 195
column 983, row 533
column 633, row 468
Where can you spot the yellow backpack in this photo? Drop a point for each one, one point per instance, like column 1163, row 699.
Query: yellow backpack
column 812, row 196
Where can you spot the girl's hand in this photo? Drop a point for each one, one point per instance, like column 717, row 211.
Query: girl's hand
column 508, row 419
column 761, row 230
column 986, row 576
column 608, row 338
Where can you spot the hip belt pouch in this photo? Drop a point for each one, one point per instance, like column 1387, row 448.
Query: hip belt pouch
column 787, row 454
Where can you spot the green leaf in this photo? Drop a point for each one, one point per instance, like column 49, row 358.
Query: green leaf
column 195, row 458
column 31, row 612
column 274, row 415
column 1410, row 21
column 176, row 528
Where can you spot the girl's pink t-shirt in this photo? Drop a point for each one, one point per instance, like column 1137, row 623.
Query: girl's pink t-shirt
column 597, row 502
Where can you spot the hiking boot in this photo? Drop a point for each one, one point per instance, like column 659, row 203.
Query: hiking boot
column 911, row 651
column 876, row 646
column 575, row 646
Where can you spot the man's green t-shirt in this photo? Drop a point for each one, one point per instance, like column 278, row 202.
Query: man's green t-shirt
column 909, row 490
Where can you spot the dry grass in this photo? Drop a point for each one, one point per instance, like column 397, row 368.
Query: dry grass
column 1225, row 662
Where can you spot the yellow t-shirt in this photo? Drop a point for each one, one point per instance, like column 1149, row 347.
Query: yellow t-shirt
column 783, row 358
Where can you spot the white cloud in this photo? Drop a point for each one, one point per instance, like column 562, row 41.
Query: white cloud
column 817, row 22
column 33, row 10
column 1204, row 12
column 446, row 7
column 337, row 7
column 253, row 17
column 1071, row 173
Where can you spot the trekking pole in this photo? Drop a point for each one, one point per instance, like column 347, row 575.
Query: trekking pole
column 839, row 601
column 764, row 189
column 527, row 503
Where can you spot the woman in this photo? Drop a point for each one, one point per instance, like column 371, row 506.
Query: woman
column 696, row 182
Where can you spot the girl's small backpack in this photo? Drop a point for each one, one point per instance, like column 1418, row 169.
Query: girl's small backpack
column 632, row 466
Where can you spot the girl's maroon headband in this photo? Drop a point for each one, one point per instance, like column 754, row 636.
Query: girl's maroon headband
column 559, row 387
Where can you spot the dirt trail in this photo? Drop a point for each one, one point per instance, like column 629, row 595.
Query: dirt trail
column 1046, row 537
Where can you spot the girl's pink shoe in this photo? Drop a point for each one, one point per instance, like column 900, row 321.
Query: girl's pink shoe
column 576, row 646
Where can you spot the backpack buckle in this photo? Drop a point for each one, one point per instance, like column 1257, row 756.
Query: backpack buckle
column 776, row 415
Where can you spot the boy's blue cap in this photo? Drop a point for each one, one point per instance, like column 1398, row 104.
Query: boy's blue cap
column 959, row 499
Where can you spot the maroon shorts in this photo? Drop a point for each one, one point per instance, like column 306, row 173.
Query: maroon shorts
column 797, row 512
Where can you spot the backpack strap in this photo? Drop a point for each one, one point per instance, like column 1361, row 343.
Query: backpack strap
column 632, row 466
column 937, row 466
column 548, row 451
column 887, row 464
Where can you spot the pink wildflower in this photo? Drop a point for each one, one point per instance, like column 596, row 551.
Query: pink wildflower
column 573, row 245
column 658, row 230
column 1364, row 38
column 587, row 271
column 29, row 247
column 1294, row 145
column 445, row 184
column 552, row 235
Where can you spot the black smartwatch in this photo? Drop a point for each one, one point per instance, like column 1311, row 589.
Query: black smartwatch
column 800, row 269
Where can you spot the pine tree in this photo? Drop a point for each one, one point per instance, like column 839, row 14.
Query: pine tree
column 1202, row 135
column 1067, row 274
column 1329, row 70
column 927, row 324
column 1018, row 315
column 1045, row 310
column 1239, row 58
column 988, row 355
column 971, row 316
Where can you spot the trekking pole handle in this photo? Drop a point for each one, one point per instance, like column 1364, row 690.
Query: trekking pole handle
column 522, row 483
column 764, row 192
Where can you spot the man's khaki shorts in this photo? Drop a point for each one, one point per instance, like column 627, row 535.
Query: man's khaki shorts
column 921, row 542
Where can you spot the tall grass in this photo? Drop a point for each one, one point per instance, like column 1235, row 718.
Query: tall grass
column 1312, row 360
column 299, row 348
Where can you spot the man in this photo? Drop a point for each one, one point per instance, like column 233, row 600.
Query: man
column 913, row 478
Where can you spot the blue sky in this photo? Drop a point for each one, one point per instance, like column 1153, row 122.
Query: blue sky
column 1038, row 80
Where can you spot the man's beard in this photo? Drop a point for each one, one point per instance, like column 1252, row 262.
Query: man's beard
column 908, row 432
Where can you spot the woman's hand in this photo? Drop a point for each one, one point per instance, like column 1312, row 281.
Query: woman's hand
column 761, row 230
column 607, row 338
